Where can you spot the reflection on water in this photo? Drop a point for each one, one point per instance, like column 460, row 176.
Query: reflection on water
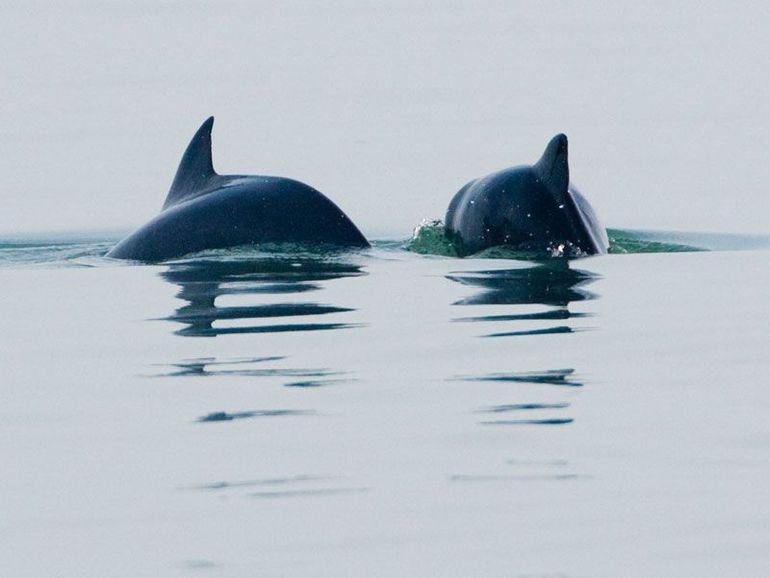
column 251, row 483
column 526, row 471
column 202, row 281
column 224, row 416
column 550, row 286
column 521, row 406
column 301, row 485
column 544, row 315
column 507, row 434
column 545, row 331
column 269, row 285
column 316, row 382
column 553, row 283
column 212, row 367
column 549, row 377
column 548, row 421
column 278, row 291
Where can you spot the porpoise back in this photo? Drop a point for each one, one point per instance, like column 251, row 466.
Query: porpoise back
column 533, row 209
column 205, row 210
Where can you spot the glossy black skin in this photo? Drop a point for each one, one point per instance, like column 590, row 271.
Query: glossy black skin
column 205, row 210
column 528, row 208
column 255, row 210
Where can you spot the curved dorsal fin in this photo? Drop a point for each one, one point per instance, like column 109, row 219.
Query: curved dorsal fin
column 195, row 168
column 553, row 168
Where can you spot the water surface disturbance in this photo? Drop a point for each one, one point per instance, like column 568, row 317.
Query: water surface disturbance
column 297, row 412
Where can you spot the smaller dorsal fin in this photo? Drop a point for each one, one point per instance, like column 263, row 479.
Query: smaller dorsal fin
column 553, row 168
column 195, row 168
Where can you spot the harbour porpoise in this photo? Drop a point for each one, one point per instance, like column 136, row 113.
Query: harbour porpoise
column 532, row 209
column 205, row 210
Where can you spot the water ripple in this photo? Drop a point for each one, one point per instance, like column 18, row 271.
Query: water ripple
column 521, row 407
column 203, row 281
column 548, row 377
column 552, row 421
column 213, row 367
column 224, row 416
column 511, row 477
column 554, row 284
column 223, row 485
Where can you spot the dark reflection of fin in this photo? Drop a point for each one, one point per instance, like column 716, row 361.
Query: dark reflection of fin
column 258, row 482
column 224, row 416
column 554, row 284
column 273, row 269
column 269, row 288
column 202, row 281
column 257, row 311
column 213, row 331
column 555, row 314
column 512, row 477
column 550, row 377
column 201, row 290
column 316, row 382
column 257, row 372
column 309, row 493
column 556, row 421
column 546, row 331
column 550, row 287
column 521, row 407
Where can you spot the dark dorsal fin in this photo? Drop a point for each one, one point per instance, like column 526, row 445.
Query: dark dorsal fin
column 552, row 168
column 195, row 168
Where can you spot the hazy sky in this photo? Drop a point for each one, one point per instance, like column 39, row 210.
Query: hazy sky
column 386, row 107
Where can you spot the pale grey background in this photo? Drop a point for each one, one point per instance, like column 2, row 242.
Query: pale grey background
column 387, row 107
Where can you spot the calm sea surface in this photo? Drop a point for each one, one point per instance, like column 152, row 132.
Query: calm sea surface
column 384, row 413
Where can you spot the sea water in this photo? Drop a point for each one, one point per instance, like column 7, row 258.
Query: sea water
column 385, row 413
